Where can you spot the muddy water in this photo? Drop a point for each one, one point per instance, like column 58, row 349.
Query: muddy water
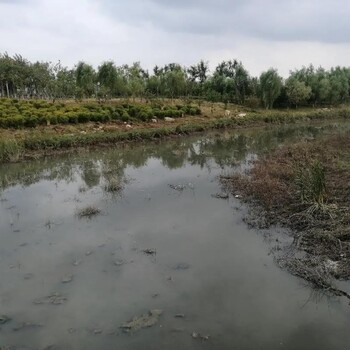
column 206, row 265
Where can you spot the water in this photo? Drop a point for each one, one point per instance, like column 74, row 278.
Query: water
column 208, row 265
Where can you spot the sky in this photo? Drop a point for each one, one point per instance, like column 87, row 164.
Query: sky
column 284, row 34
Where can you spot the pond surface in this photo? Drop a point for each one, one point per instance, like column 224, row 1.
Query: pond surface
column 70, row 282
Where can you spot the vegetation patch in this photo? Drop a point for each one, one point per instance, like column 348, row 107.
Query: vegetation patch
column 31, row 113
column 305, row 187
column 11, row 150
column 88, row 212
column 17, row 144
column 113, row 185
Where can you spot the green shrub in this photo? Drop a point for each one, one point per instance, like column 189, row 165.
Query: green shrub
column 125, row 116
column 22, row 113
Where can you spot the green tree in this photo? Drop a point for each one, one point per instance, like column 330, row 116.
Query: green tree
column 107, row 77
column 297, row 91
column 85, row 78
column 270, row 87
column 136, row 77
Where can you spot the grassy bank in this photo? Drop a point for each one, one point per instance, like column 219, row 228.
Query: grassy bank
column 18, row 143
column 305, row 187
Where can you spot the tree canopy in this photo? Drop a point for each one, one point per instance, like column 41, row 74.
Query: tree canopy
column 230, row 81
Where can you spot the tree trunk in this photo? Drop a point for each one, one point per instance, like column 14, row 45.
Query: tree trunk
column 7, row 89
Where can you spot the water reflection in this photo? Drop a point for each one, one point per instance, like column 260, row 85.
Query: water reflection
column 226, row 149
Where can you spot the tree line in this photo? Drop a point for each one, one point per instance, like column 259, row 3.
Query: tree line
column 229, row 82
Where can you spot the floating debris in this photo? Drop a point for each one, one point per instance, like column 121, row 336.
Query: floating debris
column 220, row 195
column 28, row 276
column 118, row 262
column 143, row 321
column 54, row 299
column 26, row 325
column 76, row 262
column 150, row 251
column 67, row 279
column 199, row 336
column 4, row 319
column 179, row 316
column 177, row 187
column 181, row 266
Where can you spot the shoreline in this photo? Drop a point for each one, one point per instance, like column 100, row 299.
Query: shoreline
column 304, row 188
column 23, row 144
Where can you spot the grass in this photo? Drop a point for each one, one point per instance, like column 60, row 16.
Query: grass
column 11, row 150
column 311, row 182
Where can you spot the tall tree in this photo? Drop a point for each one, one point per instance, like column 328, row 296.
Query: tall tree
column 85, row 78
column 270, row 87
column 297, row 91
column 107, row 77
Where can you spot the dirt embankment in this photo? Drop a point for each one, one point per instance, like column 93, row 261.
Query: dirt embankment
column 305, row 187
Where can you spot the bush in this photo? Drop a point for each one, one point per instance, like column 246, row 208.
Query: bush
column 21, row 113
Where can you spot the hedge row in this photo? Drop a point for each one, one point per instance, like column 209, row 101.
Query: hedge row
column 18, row 114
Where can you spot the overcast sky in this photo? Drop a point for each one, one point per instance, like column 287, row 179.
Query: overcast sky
column 285, row 34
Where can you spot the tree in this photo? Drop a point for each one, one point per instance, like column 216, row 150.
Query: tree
column 85, row 78
column 241, row 82
column 324, row 90
column 197, row 76
column 136, row 77
column 107, row 78
column 297, row 91
column 174, row 81
column 270, row 87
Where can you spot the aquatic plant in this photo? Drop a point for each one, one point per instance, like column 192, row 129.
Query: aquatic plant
column 88, row 212
column 113, row 185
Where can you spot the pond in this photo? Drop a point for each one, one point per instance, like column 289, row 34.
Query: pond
column 161, row 240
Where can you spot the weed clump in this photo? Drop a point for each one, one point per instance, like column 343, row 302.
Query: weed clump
column 88, row 212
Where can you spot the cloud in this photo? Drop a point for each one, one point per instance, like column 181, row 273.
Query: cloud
column 308, row 20
column 261, row 33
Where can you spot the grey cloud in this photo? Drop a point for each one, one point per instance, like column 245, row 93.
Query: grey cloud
column 308, row 20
